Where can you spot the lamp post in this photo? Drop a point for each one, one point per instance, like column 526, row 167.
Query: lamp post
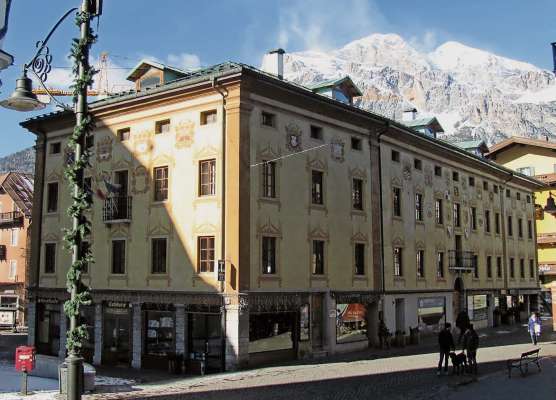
column 23, row 99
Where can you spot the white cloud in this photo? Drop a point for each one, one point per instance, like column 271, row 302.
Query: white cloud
column 184, row 61
column 325, row 24
column 427, row 42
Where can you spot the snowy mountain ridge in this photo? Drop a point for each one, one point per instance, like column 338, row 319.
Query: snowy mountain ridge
column 473, row 93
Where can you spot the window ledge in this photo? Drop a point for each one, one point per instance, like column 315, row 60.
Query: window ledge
column 270, row 200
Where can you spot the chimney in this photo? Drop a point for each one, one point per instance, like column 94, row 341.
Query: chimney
column 273, row 63
column 409, row 114
column 554, row 55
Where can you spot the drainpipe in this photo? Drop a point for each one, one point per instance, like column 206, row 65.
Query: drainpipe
column 224, row 93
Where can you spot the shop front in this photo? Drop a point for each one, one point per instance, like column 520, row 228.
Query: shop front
column 431, row 314
column 205, row 338
column 478, row 310
column 116, row 343
column 48, row 326
column 159, row 335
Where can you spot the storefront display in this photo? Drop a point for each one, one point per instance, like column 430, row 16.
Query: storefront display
column 477, row 307
column 351, row 322
column 116, row 334
column 432, row 314
column 271, row 331
column 48, row 327
column 159, row 335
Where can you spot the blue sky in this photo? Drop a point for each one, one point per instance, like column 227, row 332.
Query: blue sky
column 192, row 33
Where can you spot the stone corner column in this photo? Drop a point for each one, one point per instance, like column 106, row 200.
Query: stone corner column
column 180, row 328
column 237, row 335
column 31, row 323
column 63, row 331
column 97, row 356
column 137, row 335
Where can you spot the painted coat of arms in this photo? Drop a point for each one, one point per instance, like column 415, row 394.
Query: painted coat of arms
column 337, row 150
column 293, row 137
column 104, row 149
column 142, row 142
column 185, row 132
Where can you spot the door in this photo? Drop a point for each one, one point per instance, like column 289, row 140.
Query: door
column 121, row 179
column 205, row 339
column 316, row 320
column 116, row 337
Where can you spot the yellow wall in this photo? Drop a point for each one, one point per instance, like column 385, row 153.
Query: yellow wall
column 517, row 156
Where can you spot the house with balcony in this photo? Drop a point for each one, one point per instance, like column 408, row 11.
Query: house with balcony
column 16, row 200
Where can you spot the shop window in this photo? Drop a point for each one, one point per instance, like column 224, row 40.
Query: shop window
column 317, row 259
column 431, row 314
column 357, row 194
column 269, row 255
column 158, row 254
column 359, row 259
column 438, row 212
column 48, row 328
column 269, row 179
column 118, row 256
column 317, row 192
column 162, row 126
column 207, row 177
column 208, row 117
column 160, row 183
column 159, row 340
column 49, row 258
column 116, row 334
column 205, row 255
column 52, row 197
column 205, row 337
column 271, row 331
column 351, row 322
column 477, row 307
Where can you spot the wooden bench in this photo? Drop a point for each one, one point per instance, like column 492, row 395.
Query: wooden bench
column 522, row 363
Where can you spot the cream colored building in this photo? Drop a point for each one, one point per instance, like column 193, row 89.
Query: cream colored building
column 282, row 187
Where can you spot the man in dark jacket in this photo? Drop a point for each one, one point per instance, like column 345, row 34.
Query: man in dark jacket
column 462, row 323
column 471, row 344
column 445, row 344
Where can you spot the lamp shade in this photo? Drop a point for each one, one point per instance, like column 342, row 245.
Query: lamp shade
column 23, row 98
column 550, row 206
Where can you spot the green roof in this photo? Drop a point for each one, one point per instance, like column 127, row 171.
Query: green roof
column 346, row 80
column 470, row 144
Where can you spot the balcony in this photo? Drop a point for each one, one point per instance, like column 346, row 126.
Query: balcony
column 11, row 219
column 461, row 261
column 546, row 239
column 117, row 210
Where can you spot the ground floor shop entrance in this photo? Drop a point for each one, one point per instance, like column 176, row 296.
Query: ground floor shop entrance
column 48, row 327
column 116, row 337
column 205, row 341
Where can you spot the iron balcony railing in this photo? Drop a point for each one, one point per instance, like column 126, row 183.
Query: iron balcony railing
column 11, row 218
column 463, row 261
column 117, row 209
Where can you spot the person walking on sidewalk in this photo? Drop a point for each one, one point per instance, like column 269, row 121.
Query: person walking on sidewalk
column 462, row 323
column 471, row 344
column 534, row 328
column 445, row 344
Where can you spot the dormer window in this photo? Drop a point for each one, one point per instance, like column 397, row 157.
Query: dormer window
column 149, row 81
column 340, row 89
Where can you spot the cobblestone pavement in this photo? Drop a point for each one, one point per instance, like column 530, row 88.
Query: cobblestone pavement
column 362, row 375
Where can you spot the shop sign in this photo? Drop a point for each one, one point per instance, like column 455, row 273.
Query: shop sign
column 221, row 270
column 117, row 304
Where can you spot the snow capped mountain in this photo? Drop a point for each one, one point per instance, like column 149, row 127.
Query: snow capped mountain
column 474, row 93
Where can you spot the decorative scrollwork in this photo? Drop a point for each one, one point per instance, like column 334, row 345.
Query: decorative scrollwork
column 42, row 63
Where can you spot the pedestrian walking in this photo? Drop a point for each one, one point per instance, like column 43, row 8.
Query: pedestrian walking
column 471, row 344
column 383, row 335
column 531, row 327
column 445, row 344
column 537, row 327
column 462, row 323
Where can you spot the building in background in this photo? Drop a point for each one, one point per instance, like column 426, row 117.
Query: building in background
column 239, row 218
column 5, row 59
column 477, row 147
column 16, row 199
column 536, row 158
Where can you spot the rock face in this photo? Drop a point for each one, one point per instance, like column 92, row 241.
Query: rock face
column 474, row 93
column 22, row 161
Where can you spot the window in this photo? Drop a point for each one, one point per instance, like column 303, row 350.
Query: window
column 124, row 134
column 118, row 256
column 398, row 267
column 508, row 194
column 85, row 246
column 269, row 255
column 12, row 272
column 417, row 164
column 455, row 176
column 160, row 183
column 437, row 170
column 529, row 171
column 205, row 256
column 89, row 141
column 418, row 207
column 55, row 148
column 499, row 267
column 531, row 268
column 518, row 196
column 512, row 268
column 207, row 177
column 485, row 185
column 268, row 119
column 162, row 126
column 158, row 255
column 316, row 187
column 471, row 181
column 487, row 221
column 495, row 188
column 395, row 156
column 475, row 266
column 49, row 258
column 269, row 179
column 457, row 215
column 359, row 259
column 473, row 218
column 356, row 143
column 420, row 263
column 396, row 200
column 208, row 117
column 357, row 194
column 528, row 199
column 14, row 233
column 497, row 223
column 520, row 228
column 438, row 212
column 510, row 227
column 489, row 267
column 522, row 268
column 317, row 260
column 440, row 265
column 529, row 229
column 52, row 197
column 316, row 132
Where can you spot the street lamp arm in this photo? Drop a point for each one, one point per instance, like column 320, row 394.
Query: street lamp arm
column 41, row 65
column 58, row 102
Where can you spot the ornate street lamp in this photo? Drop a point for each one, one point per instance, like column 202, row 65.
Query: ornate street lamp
column 23, row 99
column 550, row 205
